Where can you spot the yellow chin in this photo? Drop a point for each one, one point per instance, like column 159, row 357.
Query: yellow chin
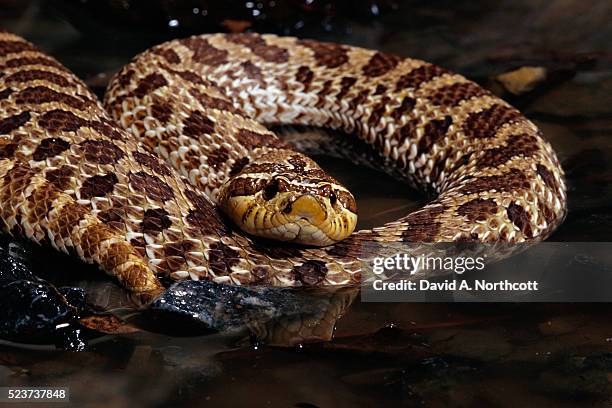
column 308, row 222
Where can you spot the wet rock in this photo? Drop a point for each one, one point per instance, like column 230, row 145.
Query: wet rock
column 273, row 315
column 31, row 309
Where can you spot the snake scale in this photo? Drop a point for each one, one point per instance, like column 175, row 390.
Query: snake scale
column 133, row 186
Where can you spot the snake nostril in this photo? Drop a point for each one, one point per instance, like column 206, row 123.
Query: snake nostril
column 287, row 209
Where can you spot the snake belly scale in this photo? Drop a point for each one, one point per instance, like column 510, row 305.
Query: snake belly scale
column 133, row 186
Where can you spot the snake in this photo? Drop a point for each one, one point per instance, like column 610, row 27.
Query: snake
column 177, row 176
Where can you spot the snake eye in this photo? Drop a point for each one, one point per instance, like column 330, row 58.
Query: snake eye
column 332, row 198
column 270, row 190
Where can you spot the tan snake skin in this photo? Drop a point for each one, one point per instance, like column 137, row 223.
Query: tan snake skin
column 72, row 179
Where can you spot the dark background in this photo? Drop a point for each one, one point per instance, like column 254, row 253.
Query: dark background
column 401, row 354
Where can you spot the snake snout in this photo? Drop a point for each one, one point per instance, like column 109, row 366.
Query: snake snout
column 307, row 207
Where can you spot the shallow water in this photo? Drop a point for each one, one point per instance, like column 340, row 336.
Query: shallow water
column 396, row 354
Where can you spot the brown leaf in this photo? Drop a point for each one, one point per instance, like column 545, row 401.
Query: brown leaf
column 236, row 26
column 522, row 80
column 108, row 324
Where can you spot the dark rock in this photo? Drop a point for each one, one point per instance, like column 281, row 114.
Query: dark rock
column 31, row 309
column 207, row 306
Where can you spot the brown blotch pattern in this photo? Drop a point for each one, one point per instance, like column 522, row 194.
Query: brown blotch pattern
column 40, row 202
column 359, row 99
column 514, row 180
column 276, row 251
column 98, row 185
column 151, row 186
column 18, row 178
column 478, row 209
column 198, row 124
column 380, row 89
column 168, row 54
column 24, row 61
column 101, row 151
column 246, row 186
column 205, row 216
column 11, row 123
column 188, row 76
column 547, row 212
column 162, row 111
column 178, row 249
column 238, row 165
column 222, row 258
column 520, row 218
column 548, row 177
column 325, row 90
column 60, row 177
column 205, row 53
column 152, row 163
column 463, row 160
column 516, row 145
column 9, row 47
column 434, row 132
column 124, row 77
column 327, row 54
column 304, row 76
column 112, row 217
column 451, row 95
column 5, row 93
column 175, row 253
column 423, row 225
column 37, row 74
column 418, row 76
column 59, row 120
column 378, row 111
column 216, row 158
column 71, row 214
column 345, row 85
column 106, row 128
column 7, row 150
column 405, row 107
column 380, row 63
column 310, row 273
column 251, row 139
column 149, row 83
column 259, row 47
column 50, row 147
column 486, row 123
column 213, row 102
column 41, row 94
column 253, row 72
column 155, row 220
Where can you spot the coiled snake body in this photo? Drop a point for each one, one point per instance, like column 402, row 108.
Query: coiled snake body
column 138, row 198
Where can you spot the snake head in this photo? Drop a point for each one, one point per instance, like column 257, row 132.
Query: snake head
column 284, row 195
